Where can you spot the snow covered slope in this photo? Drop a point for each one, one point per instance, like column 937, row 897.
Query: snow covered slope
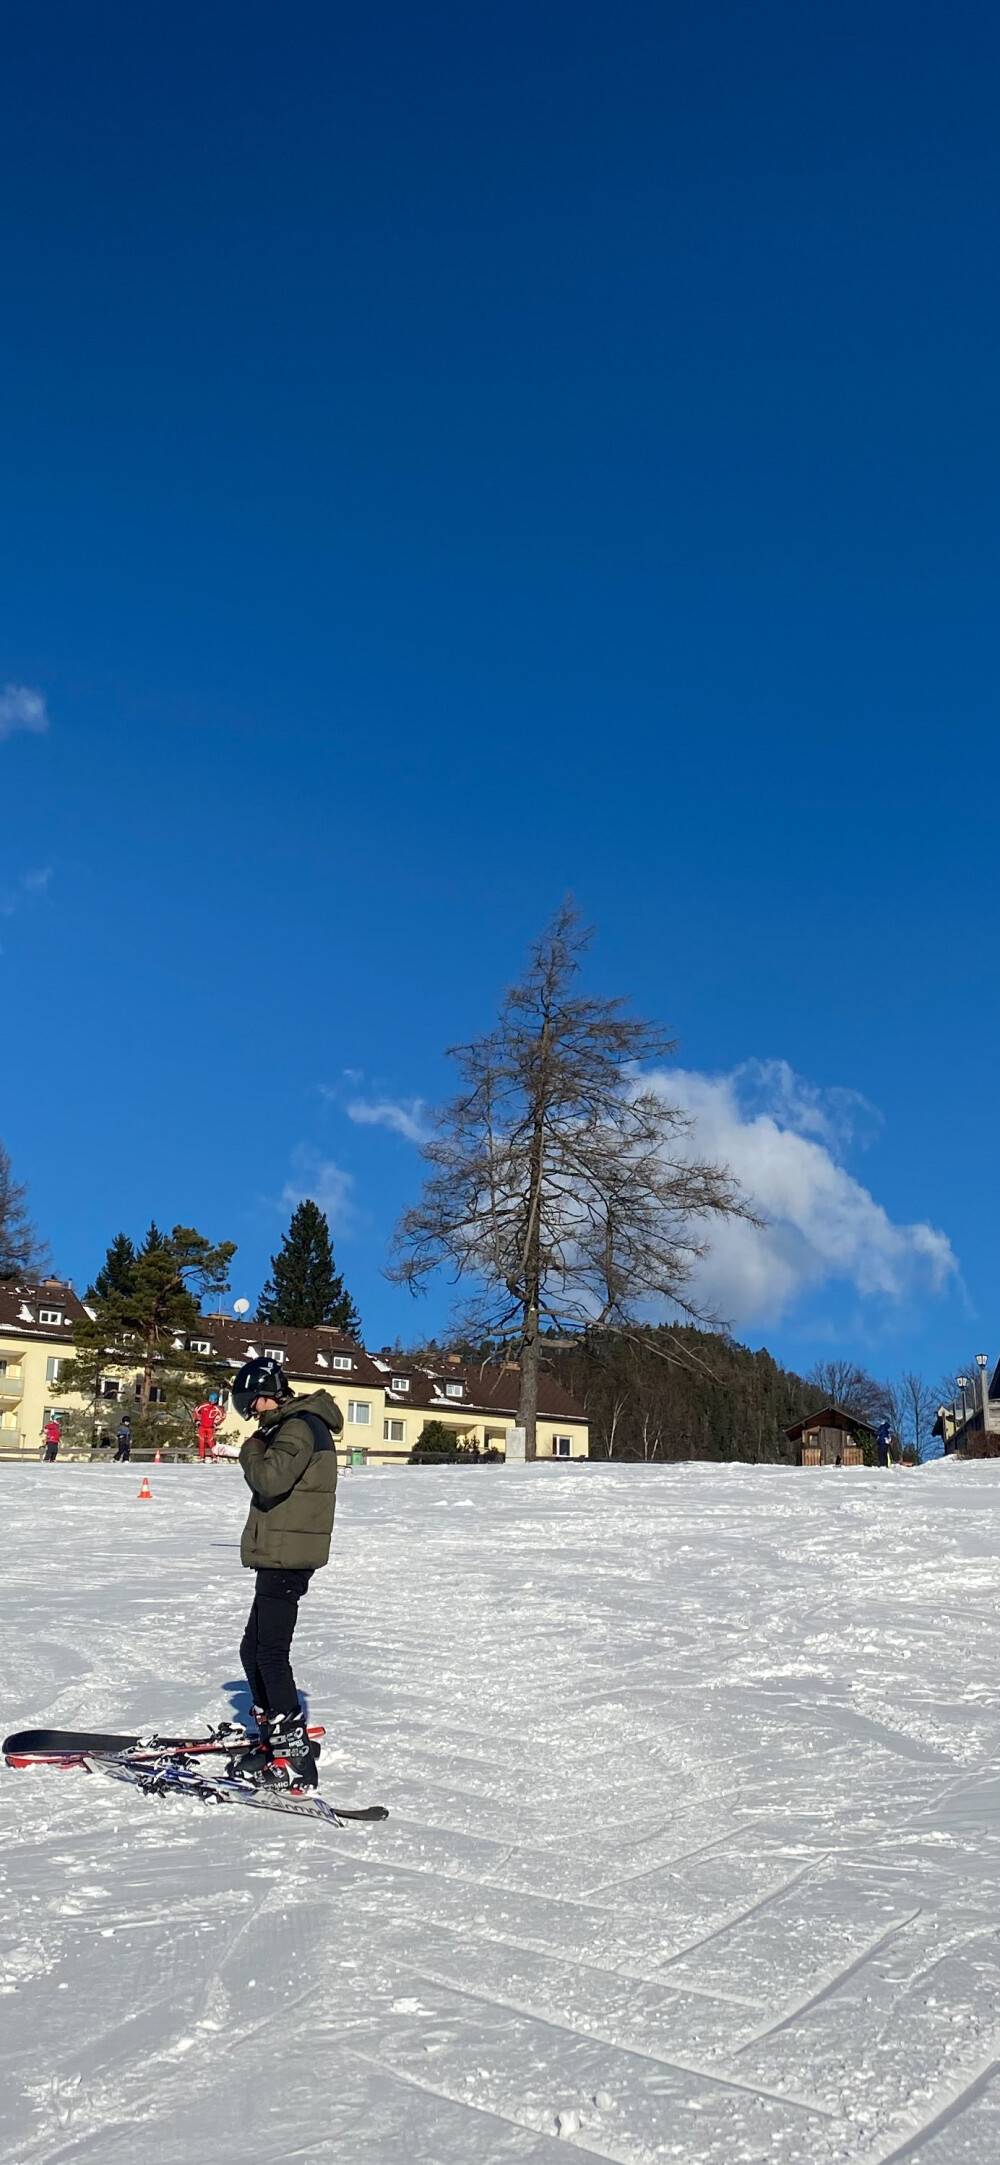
column 695, row 1840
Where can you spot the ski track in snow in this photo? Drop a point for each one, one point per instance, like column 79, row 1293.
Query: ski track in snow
column 694, row 1851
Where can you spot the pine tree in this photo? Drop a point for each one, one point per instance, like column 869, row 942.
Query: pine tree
column 304, row 1289
column 139, row 1327
column 117, row 1272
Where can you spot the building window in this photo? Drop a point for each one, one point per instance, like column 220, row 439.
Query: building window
column 53, row 1413
column 110, row 1386
column 562, row 1446
column 453, row 1390
column 273, row 1353
column 399, row 1383
column 157, row 1395
column 342, row 1360
column 394, row 1431
column 199, row 1345
column 52, row 1367
column 50, row 1315
column 11, row 1369
column 360, row 1412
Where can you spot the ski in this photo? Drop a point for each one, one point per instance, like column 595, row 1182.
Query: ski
column 28, row 1747
column 162, row 1766
column 172, row 1778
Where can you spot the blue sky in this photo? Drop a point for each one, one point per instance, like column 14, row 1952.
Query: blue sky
column 453, row 455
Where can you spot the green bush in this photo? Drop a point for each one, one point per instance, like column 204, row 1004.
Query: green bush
column 437, row 1440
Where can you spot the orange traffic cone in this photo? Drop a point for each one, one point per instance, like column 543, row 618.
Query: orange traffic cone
column 156, row 1457
column 145, row 1493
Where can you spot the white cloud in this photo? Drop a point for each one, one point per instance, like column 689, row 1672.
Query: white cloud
column 319, row 1180
column 22, row 708
column 404, row 1116
column 780, row 1136
column 834, row 1116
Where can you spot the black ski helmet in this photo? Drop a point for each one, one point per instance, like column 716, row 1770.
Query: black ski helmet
column 260, row 1378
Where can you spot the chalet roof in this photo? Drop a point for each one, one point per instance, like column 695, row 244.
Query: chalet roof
column 304, row 1354
column 484, row 1389
column 829, row 1417
column 308, row 1357
column 22, row 1299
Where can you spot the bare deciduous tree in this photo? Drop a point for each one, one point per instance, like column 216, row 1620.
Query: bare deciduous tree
column 20, row 1249
column 557, row 1183
column 849, row 1386
column 916, row 1406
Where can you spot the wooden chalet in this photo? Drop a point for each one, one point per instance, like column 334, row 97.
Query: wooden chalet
column 831, row 1437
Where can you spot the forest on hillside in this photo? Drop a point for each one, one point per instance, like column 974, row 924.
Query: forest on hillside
column 676, row 1392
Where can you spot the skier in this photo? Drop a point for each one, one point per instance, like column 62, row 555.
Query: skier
column 52, row 1434
column 883, row 1443
column 207, row 1419
column 290, row 1465
column 124, row 1438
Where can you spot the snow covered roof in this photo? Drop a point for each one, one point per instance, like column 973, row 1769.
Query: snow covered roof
column 20, row 1304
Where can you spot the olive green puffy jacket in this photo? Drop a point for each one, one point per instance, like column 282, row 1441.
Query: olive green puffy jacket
column 294, row 1487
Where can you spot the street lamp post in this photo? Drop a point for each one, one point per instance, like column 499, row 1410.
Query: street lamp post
column 963, row 1385
column 981, row 1364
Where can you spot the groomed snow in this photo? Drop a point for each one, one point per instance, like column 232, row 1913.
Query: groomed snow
column 695, row 1840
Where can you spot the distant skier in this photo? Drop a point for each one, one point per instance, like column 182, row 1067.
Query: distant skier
column 290, row 1465
column 124, row 1438
column 883, row 1443
column 208, row 1419
column 51, row 1439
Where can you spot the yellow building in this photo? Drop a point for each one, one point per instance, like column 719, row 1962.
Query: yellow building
column 384, row 1399
column 36, row 1336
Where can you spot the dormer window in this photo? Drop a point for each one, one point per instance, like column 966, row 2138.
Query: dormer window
column 453, row 1390
column 50, row 1315
column 400, row 1383
column 342, row 1360
column 275, row 1353
column 199, row 1345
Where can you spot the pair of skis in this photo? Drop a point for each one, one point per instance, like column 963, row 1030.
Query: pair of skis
column 174, row 1766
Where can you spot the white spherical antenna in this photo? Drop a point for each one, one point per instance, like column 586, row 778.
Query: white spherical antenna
column 241, row 1308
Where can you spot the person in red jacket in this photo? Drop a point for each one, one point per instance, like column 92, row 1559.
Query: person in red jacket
column 52, row 1437
column 207, row 1420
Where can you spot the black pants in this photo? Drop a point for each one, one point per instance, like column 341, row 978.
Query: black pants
column 124, row 1451
column 268, row 1637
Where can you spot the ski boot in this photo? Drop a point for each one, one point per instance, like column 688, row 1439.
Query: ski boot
column 294, row 1756
column 249, row 1764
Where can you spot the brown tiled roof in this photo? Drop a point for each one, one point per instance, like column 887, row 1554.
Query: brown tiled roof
column 484, row 1390
column 303, row 1353
column 308, row 1356
column 20, row 1301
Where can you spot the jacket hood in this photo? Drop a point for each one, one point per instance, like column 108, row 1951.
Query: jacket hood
column 307, row 1402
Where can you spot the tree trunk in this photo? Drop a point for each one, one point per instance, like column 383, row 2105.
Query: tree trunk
column 146, row 1391
column 527, row 1397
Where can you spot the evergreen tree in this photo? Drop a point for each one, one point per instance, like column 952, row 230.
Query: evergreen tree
column 436, row 1441
column 117, row 1272
column 139, row 1327
column 304, row 1289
